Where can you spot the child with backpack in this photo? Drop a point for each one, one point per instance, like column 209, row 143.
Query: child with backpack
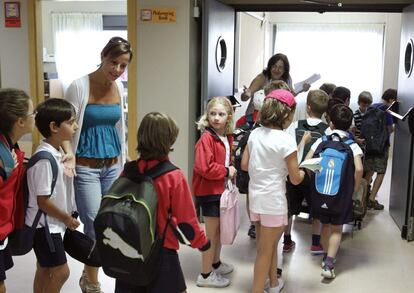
column 55, row 120
column 212, row 168
column 364, row 102
column 267, row 186
column 17, row 119
column 175, row 208
column 376, row 127
column 335, row 183
column 317, row 103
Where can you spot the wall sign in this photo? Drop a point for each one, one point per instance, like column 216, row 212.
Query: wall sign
column 12, row 14
column 159, row 15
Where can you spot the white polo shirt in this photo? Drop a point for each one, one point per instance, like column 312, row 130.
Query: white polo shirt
column 39, row 181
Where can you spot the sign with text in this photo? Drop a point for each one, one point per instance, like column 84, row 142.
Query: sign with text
column 12, row 14
column 159, row 15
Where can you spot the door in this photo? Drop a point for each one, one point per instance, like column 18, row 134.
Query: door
column 402, row 168
column 217, row 50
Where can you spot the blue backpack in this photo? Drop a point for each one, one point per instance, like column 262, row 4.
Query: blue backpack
column 334, row 183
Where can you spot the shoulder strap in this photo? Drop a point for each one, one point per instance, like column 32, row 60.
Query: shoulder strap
column 44, row 155
column 7, row 159
column 163, row 167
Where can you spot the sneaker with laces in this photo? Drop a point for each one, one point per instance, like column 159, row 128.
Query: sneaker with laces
column 278, row 288
column 316, row 249
column 213, row 281
column 88, row 287
column 374, row 204
column 252, row 232
column 224, row 269
column 287, row 247
column 328, row 273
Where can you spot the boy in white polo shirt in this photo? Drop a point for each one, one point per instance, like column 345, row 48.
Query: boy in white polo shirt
column 55, row 120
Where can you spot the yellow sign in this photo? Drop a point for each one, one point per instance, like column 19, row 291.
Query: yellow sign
column 159, row 15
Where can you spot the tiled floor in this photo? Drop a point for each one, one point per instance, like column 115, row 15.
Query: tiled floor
column 375, row 259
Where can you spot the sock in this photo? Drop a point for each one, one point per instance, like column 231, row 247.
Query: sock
column 287, row 239
column 205, row 276
column 216, row 265
column 329, row 262
column 316, row 239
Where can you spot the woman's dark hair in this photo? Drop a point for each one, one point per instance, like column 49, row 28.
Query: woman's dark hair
column 272, row 61
column 117, row 46
column 14, row 104
column 52, row 110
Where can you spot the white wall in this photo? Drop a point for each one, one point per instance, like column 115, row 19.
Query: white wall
column 167, row 73
column 14, row 52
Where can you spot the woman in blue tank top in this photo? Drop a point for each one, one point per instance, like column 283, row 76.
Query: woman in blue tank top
column 99, row 148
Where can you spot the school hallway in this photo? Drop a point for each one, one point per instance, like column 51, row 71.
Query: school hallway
column 375, row 259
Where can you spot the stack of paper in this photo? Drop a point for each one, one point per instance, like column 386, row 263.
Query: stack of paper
column 312, row 164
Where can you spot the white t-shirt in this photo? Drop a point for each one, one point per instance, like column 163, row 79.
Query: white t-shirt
column 268, row 149
column 356, row 150
column 227, row 146
column 39, row 181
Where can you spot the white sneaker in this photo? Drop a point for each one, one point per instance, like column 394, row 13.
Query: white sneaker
column 278, row 288
column 213, row 281
column 224, row 269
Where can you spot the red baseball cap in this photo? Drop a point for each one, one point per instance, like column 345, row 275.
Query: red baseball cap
column 283, row 96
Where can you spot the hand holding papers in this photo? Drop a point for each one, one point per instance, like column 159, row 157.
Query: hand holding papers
column 312, row 164
column 298, row 87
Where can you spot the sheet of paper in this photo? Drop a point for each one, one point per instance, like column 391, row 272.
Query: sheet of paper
column 311, row 164
column 298, row 87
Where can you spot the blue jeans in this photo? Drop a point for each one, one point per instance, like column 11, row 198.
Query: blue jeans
column 90, row 185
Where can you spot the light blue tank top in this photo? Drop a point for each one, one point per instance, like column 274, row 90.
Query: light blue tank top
column 99, row 137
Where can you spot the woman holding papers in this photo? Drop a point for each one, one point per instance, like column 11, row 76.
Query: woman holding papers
column 277, row 69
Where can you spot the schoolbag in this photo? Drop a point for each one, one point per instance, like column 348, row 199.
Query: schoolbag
column 316, row 132
column 125, row 226
column 7, row 159
column 374, row 130
column 334, row 184
column 21, row 239
column 241, row 136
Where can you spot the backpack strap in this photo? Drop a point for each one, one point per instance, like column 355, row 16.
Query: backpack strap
column 161, row 168
column 44, row 155
column 7, row 159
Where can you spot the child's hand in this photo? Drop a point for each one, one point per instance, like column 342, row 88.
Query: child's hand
column 232, row 172
column 71, row 222
column 306, row 87
column 247, row 93
column 307, row 137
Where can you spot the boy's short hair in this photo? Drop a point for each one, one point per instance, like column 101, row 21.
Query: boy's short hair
column 341, row 117
column 389, row 94
column 156, row 135
column 317, row 101
column 341, row 93
column 328, row 88
column 365, row 97
column 275, row 85
column 52, row 110
column 14, row 104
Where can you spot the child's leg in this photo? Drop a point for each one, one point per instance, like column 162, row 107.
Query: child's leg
column 50, row 280
column 2, row 287
column 266, row 256
column 288, row 244
column 212, row 225
column 376, row 186
column 316, row 237
column 41, row 278
column 334, row 240
column 325, row 235
column 252, row 229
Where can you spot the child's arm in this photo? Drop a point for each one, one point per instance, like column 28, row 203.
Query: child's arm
column 50, row 209
column 183, row 211
column 359, row 169
column 295, row 174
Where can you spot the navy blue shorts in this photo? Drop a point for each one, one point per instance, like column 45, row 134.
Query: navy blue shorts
column 170, row 278
column 6, row 262
column 45, row 257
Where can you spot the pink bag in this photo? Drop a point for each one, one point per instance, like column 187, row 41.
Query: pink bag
column 229, row 214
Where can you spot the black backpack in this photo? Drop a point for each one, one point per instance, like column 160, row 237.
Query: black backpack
column 21, row 239
column 125, row 226
column 374, row 131
column 316, row 132
column 334, row 184
column 241, row 136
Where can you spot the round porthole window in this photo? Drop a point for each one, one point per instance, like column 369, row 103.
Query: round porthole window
column 409, row 58
column 221, row 54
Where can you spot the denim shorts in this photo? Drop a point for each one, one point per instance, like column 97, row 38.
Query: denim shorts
column 90, row 185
